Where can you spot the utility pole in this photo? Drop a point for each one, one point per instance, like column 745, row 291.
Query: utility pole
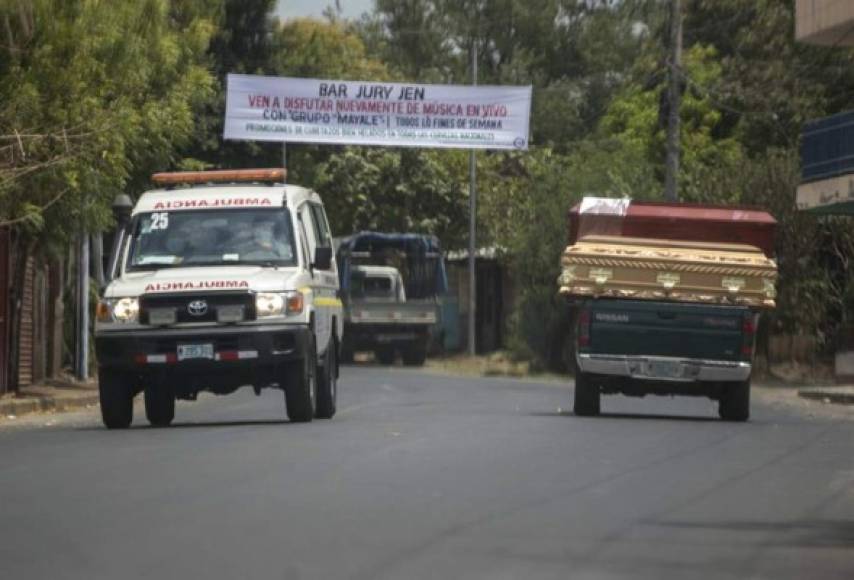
column 472, row 224
column 674, row 97
column 82, row 342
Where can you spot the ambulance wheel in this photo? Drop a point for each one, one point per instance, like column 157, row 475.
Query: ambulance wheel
column 327, row 383
column 159, row 405
column 587, row 396
column 116, row 395
column 301, row 387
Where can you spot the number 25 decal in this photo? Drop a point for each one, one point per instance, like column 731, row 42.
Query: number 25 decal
column 159, row 221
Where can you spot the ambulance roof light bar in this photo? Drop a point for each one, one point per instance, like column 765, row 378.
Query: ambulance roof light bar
column 220, row 176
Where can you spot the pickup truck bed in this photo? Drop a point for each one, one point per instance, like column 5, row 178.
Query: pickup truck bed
column 641, row 347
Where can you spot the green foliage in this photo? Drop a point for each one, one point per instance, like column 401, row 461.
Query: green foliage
column 393, row 191
column 770, row 83
column 634, row 119
column 242, row 42
column 525, row 199
column 815, row 286
column 93, row 96
column 311, row 48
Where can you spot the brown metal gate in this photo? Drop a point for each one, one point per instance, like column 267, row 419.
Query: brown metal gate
column 27, row 334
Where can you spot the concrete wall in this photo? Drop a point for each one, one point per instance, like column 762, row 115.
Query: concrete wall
column 825, row 22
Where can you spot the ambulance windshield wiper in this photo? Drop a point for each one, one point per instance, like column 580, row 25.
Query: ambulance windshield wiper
column 152, row 266
column 262, row 263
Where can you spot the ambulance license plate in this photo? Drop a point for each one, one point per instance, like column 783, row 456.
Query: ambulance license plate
column 191, row 351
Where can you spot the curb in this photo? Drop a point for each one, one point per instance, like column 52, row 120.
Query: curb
column 28, row 405
column 828, row 396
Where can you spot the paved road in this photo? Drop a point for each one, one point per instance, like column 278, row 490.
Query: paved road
column 431, row 476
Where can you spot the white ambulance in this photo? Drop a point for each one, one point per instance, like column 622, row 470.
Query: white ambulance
column 220, row 279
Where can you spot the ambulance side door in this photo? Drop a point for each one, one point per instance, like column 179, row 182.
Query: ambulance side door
column 320, row 288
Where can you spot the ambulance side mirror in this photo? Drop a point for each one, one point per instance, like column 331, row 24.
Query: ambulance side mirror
column 122, row 206
column 322, row 258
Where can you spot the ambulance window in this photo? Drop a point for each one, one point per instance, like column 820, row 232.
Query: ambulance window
column 304, row 244
column 320, row 225
column 310, row 228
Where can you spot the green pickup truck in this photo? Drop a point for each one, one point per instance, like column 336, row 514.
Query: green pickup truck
column 644, row 347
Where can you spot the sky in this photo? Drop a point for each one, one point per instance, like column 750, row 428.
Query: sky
column 297, row 8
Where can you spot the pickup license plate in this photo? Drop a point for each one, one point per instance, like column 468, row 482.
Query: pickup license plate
column 190, row 351
column 665, row 369
column 393, row 337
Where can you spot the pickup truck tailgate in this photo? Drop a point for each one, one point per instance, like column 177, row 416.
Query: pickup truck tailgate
column 412, row 312
column 669, row 329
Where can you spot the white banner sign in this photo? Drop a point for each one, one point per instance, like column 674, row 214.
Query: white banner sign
column 369, row 113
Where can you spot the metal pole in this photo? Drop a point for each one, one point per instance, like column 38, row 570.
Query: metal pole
column 671, row 180
column 472, row 226
column 83, row 308
column 285, row 159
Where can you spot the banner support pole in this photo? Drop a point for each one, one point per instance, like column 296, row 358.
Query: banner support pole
column 472, row 334
column 285, row 158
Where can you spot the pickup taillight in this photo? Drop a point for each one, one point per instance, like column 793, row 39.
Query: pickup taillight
column 748, row 332
column 583, row 327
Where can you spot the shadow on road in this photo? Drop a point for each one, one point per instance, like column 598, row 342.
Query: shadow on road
column 643, row 416
column 636, row 416
column 243, row 423
column 812, row 533
column 206, row 424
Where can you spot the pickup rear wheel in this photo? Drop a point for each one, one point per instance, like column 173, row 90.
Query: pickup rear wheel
column 159, row 405
column 586, row 402
column 385, row 355
column 327, row 383
column 415, row 354
column 116, row 394
column 734, row 404
column 301, row 387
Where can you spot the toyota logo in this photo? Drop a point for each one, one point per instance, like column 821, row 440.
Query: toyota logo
column 197, row 307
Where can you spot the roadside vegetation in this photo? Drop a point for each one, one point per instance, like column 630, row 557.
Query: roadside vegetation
column 95, row 95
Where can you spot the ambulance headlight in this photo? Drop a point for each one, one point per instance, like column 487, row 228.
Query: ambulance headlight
column 124, row 310
column 269, row 304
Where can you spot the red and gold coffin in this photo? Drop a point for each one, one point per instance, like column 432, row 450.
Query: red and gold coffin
column 650, row 269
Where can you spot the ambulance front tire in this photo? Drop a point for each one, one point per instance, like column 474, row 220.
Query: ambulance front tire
column 116, row 392
column 327, row 382
column 159, row 405
column 301, row 387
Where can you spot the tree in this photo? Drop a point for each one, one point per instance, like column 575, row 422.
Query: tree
column 394, row 191
column 93, row 95
column 311, row 48
column 242, row 43
column 574, row 52
column 635, row 120
column 770, row 84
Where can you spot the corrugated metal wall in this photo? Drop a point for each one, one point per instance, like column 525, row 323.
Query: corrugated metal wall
column 25, row 358
column 827, row 147
column 4, row 309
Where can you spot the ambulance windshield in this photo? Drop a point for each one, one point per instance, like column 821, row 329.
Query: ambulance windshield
column 212, row 238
